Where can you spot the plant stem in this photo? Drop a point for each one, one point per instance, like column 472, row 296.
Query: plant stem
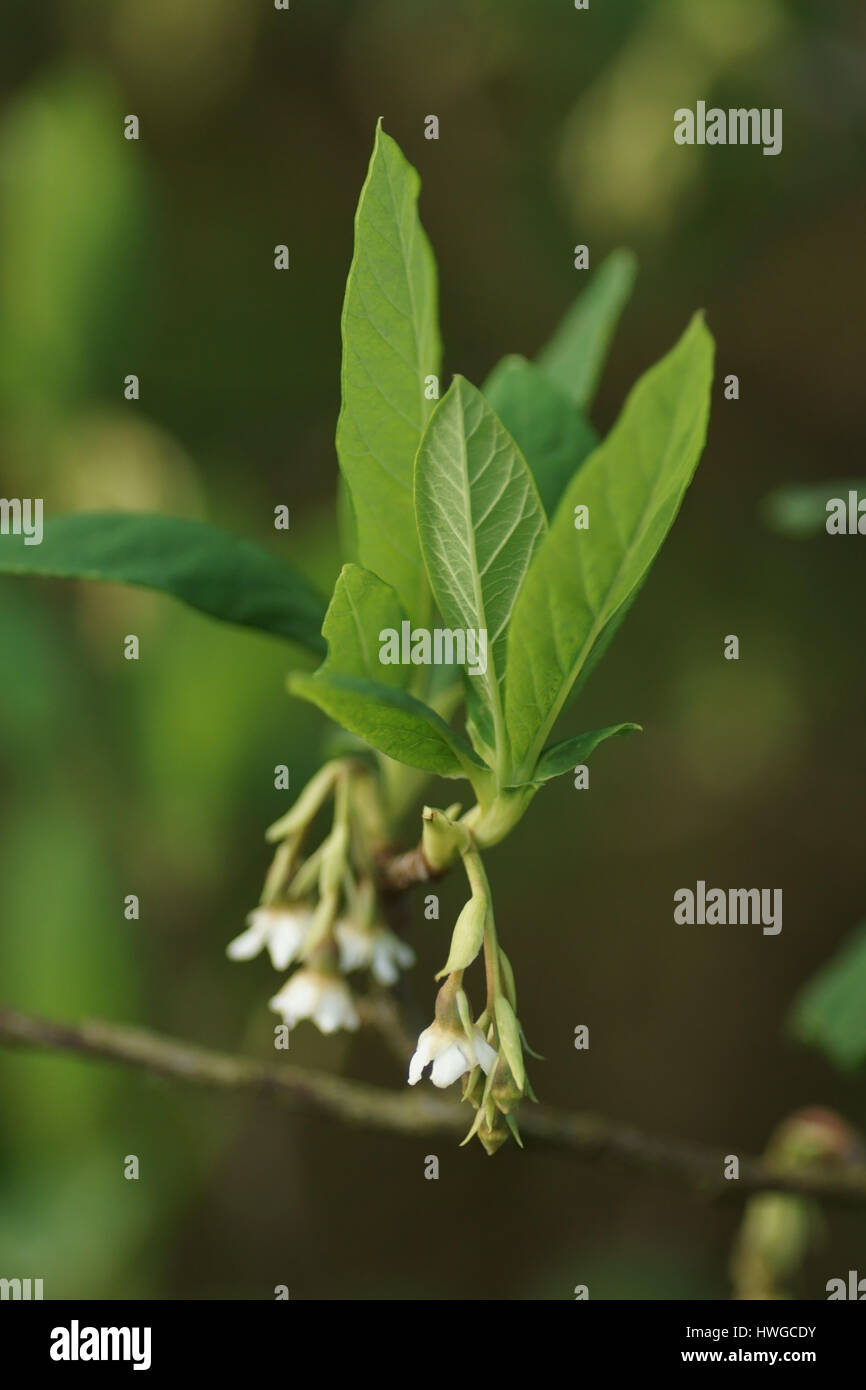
column 586, row 1137
column 480, row 885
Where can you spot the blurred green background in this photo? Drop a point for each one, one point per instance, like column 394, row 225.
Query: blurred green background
column 157, row 778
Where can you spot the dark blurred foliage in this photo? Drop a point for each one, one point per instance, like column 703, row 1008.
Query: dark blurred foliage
column 156, row 257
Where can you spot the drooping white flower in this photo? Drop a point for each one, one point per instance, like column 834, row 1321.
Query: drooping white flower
column 323, row 998
column 374, row 948
column 282, row 929
column 452, row 1053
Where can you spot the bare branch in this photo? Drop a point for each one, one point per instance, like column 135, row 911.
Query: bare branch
column 419, row 1113
column 400, row 872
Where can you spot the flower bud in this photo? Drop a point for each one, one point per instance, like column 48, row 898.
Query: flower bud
column 493, row 1135
column 467, row 936
column 508, row 979
column 811, row 1136
column 509, row 1036
column 777, row 1228
column 505, row 1091
column 770, row 1246
column 441, row 839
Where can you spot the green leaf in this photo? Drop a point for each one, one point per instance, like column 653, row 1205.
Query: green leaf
column 479, row 522
column 390, row 345
column 361, row 607
column 575, row 355
column 830, row 1013
column 571, row 752
column 212, row 570
column 580, row 581
column 552, row 435
column 347, row 528
column 392, row 721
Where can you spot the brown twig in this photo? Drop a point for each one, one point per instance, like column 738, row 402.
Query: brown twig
column 400, row 872
column 421, row 1114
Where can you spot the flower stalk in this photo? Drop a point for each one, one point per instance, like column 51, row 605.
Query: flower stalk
column 487, row 1051
column 321, row 913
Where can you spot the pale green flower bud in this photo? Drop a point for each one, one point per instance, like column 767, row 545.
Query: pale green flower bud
column 467, row 937
column 509, row 1037
column 442, row 840
column 505, row 1092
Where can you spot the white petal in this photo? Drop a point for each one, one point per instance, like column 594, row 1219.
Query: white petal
column 484, row 1053
column 389, row 955
column 286, row 938
column 249, row 943
column 329, row 1011
column 355, row 946
column 278, row 1004
column 423, row 1054
column 335, row 1008
column 450, row 1064
column 384, row 969
column 298, row 997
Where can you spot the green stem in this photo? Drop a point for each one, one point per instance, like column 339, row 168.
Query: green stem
column 480, row 886
column 490, row 824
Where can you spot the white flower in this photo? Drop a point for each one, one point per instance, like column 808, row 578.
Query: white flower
column 375, row 948
column 451, row 1052
column 282, row 929
column 325, row 999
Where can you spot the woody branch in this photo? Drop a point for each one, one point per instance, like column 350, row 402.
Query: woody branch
column 586, row 1137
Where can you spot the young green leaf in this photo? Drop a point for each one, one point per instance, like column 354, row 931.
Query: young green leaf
column 479, row 522
column 392, row 721
column 571, row 752
column 831, row 1010
column 580, row 581
column 362, row 606
column 390, row 346
column 575, row 355
column 209, row 569
column 551, row 433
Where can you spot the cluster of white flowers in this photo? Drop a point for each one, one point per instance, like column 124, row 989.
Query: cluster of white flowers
column 318, row 994
column 321, row 918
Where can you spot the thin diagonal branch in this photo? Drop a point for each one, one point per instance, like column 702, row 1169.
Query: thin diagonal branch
column 421, row 1114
